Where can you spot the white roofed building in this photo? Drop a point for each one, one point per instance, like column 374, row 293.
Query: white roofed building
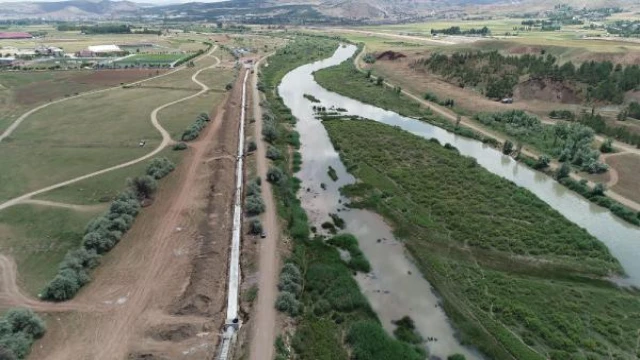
column 102, row 50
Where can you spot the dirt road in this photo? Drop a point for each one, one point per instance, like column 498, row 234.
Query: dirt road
column 263, row 330
column 166, row 140
column 450, row 115
column 164, row 284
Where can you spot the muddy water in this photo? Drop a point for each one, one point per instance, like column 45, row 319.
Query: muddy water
column 391, row 289
column 395, row 287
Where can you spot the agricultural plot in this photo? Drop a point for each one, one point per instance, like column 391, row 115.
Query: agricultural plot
column 151, row 59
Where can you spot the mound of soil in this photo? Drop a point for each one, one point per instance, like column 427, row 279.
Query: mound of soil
column 391, row 55
column 173, row 332
column 547, row 90
column 146, row 356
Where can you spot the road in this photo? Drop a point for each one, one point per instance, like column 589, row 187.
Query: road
column 264, row 328
column 166, row 140
column 450, row 115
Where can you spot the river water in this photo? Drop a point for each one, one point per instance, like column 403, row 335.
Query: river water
column 395, row 287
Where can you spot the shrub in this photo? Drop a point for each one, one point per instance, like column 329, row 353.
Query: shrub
column 252, row 146
column 60, row 288
column 180, row 146
column 193, row 131
column 253, row 188
column 288, row 303
column 273, row 153
column 160, row 167
column 598, row 190
column 542, row 162
column 275, row 175
column 255, row 227
column 369, row 341
column 456, row 357
column 563, row 172
column 254, row 205
column 270, row 132
column 607, row 146
column 25, row 321
column 143, row 186
column 507, row 147
column 380, row 81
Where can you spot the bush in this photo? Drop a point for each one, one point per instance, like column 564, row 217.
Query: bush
column 542, row 162
column 255, row 227
column 273, row 153
column 563, row 172
column 193, row 131
column 25, row 321
column 252, row 146
column 254, row 188
column 607, row 146
column 270, row 132
column 61, row 288
column 275, row 175
column 160, row 167
column 288, row 303
column 254, row 205
column 369, row 341
column 180, row 146
column 456, row 357
column 507, row 148
column 143, row 186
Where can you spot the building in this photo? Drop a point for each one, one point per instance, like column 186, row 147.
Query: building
column 7, row 61
column 15, row 35
column 102, row 50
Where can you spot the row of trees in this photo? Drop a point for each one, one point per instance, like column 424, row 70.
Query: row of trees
column 499, row 73
column 97, row 29
column 455, row 30
column 193, row 131
column 104, row 232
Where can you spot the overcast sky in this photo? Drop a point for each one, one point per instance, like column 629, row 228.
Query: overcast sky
column 140, row 1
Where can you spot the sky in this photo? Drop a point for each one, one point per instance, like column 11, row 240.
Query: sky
column 140, row 1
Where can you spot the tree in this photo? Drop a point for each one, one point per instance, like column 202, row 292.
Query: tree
column 599, row 190
column 143, row 186
column 543, row 162
column 563, row 171
column 379, row 81
column 607, row 146
column 255, row 227
column 275, row 175
column 26, row 321
column 456, row 357
column 254, row 205
column 287, row 303
column 252, row 146
column 507, row 148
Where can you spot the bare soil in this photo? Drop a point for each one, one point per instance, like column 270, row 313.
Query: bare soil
column 628, row 168
column 160, row 294
column 547, row 90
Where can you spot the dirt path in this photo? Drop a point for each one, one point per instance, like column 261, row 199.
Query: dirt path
column 164, row 284
column 264, row 327
column 614, row 177
column 450, row 115
column 75, row 207
column 166, row 140
column 11, row 295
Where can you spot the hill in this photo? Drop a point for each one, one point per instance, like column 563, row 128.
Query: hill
column 68, row 10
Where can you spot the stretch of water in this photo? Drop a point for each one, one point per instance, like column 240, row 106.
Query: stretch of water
column 395, row 288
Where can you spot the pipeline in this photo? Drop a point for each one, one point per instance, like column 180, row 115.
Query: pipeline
column 232, row 322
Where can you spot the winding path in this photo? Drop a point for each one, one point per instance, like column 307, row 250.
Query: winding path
column 166, row 138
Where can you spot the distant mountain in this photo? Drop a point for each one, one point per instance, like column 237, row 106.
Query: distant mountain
column 68, row 10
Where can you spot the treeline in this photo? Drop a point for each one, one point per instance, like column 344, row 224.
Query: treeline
column 499, row 73
column 96, row 29
column 455, row 30
column 621, row 133
column 626, row 28
column 19, row 328
column 104, row 232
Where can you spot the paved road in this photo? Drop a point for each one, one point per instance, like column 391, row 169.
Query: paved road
column 166, row 140
column 450, row 115
column 264, row 328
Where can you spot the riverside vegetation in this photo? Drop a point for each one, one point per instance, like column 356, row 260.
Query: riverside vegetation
column 568, row 143
column 317, row 288
column 517, row 279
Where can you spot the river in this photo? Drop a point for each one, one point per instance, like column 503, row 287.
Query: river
column 395, row 287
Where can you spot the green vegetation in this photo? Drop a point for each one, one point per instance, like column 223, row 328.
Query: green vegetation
column 97, row 29
column 622, row 133
column 317, row 286
column 497, row 74
column 19, row 328
column 568, row 143
column 517, row 279
column 194, row 130
column 311, row 98
column 348, row 242
column 346, row 80
column 332, row 173
column 103, row 233
column 455, row 30
column 406, row 331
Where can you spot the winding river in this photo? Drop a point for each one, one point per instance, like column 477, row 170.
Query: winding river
column 395, row 287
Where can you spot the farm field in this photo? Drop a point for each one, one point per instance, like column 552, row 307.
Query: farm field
column 488, row 294
column 150, row 59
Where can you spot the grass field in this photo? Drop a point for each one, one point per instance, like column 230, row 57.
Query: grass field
column 38, row 237
column 447, row 212
column 154, row 59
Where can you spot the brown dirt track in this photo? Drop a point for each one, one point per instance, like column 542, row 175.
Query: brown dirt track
column 161, row 292
column 628, row 168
